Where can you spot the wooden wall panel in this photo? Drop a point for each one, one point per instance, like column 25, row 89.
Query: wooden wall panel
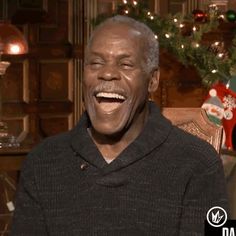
column 52, row 125
column 47, row 79
column 159, row 7
column 18, row 125
column 185, row 6
column 12, row 89
column 193, row 97
column 2, row 12
column 15, row 92
column 179, row 86
column 42, row 90
column 55, row 80
column 55, row 29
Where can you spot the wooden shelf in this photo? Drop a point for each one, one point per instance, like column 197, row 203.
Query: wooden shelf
column 11, row 159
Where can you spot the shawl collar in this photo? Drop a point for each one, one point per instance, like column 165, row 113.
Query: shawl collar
column 155, row 132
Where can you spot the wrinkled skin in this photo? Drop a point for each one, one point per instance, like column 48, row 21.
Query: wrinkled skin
column 116, row 87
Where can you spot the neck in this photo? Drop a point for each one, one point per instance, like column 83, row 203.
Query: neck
column 110, row 146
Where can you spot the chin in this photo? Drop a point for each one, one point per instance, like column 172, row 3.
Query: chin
column 116, row 120
column 109, row 128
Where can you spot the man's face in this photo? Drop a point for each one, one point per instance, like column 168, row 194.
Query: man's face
column 115, row 83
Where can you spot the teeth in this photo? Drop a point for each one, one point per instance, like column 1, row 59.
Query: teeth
column 110, row 95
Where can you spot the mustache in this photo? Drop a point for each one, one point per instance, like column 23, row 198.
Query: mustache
column 109, row 87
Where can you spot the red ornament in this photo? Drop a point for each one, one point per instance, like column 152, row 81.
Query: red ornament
column 199, row 15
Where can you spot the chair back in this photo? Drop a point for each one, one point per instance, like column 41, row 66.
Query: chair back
column 196, row 122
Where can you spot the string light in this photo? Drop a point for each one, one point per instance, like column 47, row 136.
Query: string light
column 220, row 55
column 213, row 6
column 167, row 36
column 149, row 14
column 221, row 17
column 221, row 74
column 180, row 44
column 227, row 85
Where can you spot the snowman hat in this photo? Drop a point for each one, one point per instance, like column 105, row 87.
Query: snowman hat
column 214, row 101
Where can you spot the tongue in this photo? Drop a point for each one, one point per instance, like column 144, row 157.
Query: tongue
column 109, row 105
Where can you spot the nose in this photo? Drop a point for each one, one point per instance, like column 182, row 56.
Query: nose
column 109, row 72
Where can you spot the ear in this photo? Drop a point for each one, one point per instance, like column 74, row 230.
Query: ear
column 154, row 81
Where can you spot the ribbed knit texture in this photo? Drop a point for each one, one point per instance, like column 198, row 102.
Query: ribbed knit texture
column 161, row 184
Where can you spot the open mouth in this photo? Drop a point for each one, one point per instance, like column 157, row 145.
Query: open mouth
column 109, row 101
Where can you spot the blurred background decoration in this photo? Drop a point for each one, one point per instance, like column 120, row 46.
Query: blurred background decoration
column 184, row 37
column 12, row 42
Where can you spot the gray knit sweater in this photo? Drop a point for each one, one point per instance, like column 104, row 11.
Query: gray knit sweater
column 161, row 184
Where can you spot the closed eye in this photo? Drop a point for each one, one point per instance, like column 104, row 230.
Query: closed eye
column 96, row 64
column 126, row 65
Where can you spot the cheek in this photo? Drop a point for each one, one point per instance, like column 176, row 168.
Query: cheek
column 89, row 81
column 87, row 77
column 140, row 86
column 137, row 81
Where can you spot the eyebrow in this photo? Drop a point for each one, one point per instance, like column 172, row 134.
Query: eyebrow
column 124, row 56
column 121, row 56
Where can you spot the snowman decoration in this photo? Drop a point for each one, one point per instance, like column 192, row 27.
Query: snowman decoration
column 220, row 106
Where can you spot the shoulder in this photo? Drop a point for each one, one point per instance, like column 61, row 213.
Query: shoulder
column 191, row 151
column 53, row 144
column 60, row 143
column 49, row 150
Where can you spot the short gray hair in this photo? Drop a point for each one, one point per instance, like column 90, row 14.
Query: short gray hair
column 151, row 43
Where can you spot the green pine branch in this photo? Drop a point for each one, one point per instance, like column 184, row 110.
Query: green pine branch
column 185, row 46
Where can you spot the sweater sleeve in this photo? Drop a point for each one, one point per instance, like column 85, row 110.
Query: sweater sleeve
column 206, row 188
column 28, row 218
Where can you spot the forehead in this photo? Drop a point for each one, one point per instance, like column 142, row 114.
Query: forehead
column 116, row 35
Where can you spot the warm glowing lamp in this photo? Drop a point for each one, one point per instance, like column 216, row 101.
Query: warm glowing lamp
column 12, row 42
